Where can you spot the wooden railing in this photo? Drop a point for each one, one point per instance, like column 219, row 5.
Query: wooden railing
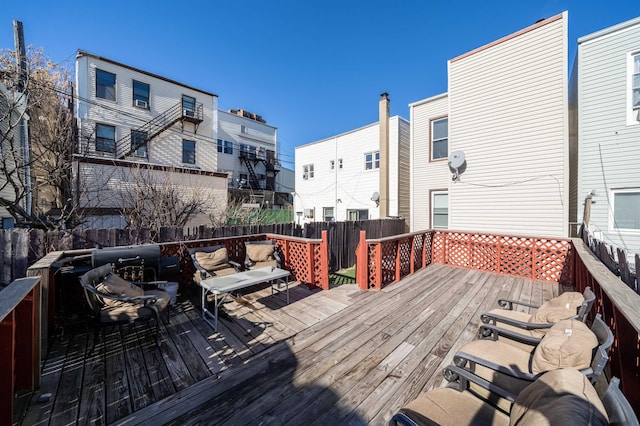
column 307, row 259
column 619, row 306
column 19, row 342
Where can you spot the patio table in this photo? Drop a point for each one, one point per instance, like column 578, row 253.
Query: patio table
column 223, row 286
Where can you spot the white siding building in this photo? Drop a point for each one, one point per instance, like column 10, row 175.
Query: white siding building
column 128, row 117
column 608, row 130
column 337, row 177
column 506, row 110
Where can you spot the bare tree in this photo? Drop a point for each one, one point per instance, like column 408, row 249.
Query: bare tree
column 43, row 170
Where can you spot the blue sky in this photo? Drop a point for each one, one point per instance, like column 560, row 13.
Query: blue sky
column 312, row 69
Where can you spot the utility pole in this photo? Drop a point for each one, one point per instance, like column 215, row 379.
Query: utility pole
column 21, row 83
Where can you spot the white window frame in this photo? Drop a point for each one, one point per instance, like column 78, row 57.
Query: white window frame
column 325, row 211
column 358, row 213
column 372, row 160
column 308, row 213
column 339, row 163
column 332, row 164
column 612, row 224
column 307, row 171
column 431, row 207
column 633, row 115
column 433, row 140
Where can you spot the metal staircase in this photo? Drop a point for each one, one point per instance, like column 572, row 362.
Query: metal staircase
column 157, row 125
column 251, row 159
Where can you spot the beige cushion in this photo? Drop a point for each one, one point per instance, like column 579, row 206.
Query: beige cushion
column 115, row 286
column 568, row 343
column 260, row 252
column 559, row 397
column 447, row 406
column 214, row 260
column 559, row 308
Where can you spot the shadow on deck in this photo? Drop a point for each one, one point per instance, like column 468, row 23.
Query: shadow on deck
column 329, row 357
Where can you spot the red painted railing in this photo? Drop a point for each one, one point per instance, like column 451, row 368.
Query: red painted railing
column 619, row 306
column 307, row 259
column 19, row 342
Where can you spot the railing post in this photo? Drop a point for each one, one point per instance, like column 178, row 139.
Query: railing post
column 324, row 261
column 362, row 262
column 7, row 367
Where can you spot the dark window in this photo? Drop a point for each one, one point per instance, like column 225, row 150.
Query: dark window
column 105, row 85
column 139, row 143
column 188, row 105
column 105, row 138
column 141, row 94
column 225, row 147
column 372, row 160
column 439, row 138
column 189, row 152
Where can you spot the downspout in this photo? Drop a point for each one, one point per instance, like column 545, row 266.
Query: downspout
column 384, row 155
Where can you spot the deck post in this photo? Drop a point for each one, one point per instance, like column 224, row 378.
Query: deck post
column 362, row 262
column 324, row 261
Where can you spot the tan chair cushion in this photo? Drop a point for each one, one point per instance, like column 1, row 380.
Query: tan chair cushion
column 559, row 397
column 214, row 260
column 447, row 406
column 260, row 252
column 113, row 285
column 559, row 308
column 568, row 343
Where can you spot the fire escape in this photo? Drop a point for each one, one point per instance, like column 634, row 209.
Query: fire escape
column 272, row 166
column 178, row 113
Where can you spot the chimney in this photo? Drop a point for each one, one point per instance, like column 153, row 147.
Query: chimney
column 384, row 155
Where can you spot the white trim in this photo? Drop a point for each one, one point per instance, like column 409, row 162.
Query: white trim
column 426, row 100
column 612, row 204
column 431, row 205
column 633, row 114
column 607, row 32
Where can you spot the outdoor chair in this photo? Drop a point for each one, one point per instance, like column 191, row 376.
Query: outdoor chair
column 261, row 254
column 114, row 300
column 518, row 328
column 561, row 397
column 212, row 262
column 569, row 343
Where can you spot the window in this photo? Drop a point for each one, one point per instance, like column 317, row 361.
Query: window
column 327, row 214
column 243, row 129
column 139, row 143
column 248, row 151
column 307, row 171
column 332, row 164
column 354, row 215
column 439, row 210
column 189, row 152
column 105, row 85
column 372, row 160
column 225, row 147
column 105, row 138
column 439, row 138
column 626, row 209
column 140, row 94
column 308, row 213
column 339, row 163
column 188, row 106
column 635, row 86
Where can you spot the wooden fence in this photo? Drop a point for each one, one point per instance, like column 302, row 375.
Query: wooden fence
column 20, row 248
column 616, row 259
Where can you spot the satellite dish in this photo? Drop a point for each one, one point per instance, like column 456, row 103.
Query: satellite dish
column 375, row 196
column 457, row 164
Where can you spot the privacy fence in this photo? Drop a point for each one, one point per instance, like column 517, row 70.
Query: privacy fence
column 20, row 248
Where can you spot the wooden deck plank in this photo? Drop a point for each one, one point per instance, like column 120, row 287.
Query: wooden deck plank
column 92, row 408
column 348, row 357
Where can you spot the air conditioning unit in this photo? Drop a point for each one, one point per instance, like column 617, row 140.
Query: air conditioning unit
column 188, row 113
column 141, row 104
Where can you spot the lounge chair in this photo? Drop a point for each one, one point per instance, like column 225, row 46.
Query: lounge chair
column 519, row 326
column 561, row 397
column 114, row 300
column 569, row 343
column 261, row 254
column 212, row 262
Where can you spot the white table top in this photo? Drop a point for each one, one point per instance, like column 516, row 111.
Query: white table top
column 227, row 283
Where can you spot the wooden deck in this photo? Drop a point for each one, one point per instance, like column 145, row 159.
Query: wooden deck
column 341, row 356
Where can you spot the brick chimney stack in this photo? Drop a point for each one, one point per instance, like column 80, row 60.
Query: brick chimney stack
column 384, row 154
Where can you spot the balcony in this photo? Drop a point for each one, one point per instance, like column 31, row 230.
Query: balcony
column 331, row 354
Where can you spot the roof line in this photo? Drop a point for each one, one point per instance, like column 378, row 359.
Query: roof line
column 120, row 64
column 509, row 37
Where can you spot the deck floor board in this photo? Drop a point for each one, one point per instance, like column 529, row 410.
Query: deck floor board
column 341, row 356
